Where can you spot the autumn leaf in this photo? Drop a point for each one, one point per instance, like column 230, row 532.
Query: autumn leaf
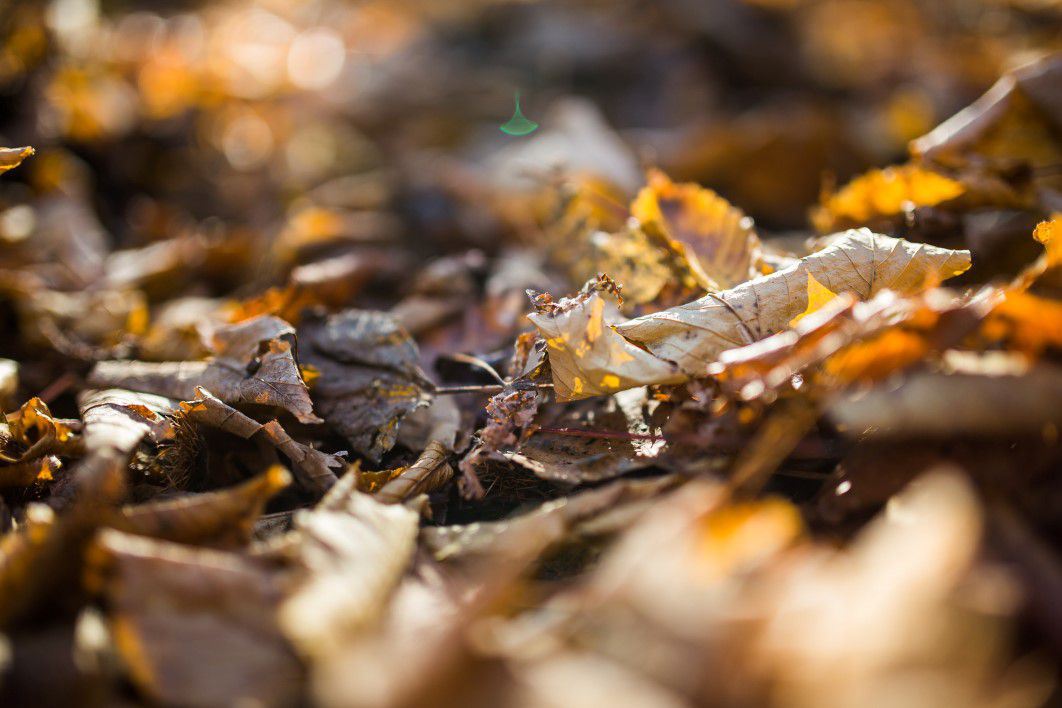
column 253, row 363
column 313, row 468
column 351, row 550
column 221, row 518
column 370, row 378
column 165, row 597
column 818, row 295
column 10, row 158
column 861, row 262
column 884, row 193
column 587, row 354
column 716, row 238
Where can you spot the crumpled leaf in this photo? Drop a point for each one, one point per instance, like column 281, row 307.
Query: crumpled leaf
column 586, row 354
column 180, row 614
column 429, row 472
column 10, row 158
column 860, row 262
column 352, row 551
column 312, row 467
column 119, row 419
column 369, row 376
column 671, row 345
column 37, row 433
column 222, row 518
column 716, row 238
column 253, row 363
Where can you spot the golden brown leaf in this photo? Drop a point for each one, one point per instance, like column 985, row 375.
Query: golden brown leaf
column 254, row 363
column 716, row 238
column 10, row 158
column 222, row 518
column 884, row 193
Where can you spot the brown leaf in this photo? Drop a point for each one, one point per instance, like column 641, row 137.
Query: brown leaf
column 194, row 627
column 352, row 551
column 586, row 354
column 861, row 263
column 221, row 518
column 312, row 467
column 716, row 238
column 589, row 355
column 369, row 376
column 430, row 472
column 253, row 363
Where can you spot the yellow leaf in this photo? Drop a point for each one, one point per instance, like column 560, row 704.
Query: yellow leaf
column 818, row 295
column 10, row 158
column 715, row 237
column 884, row 193
column 1049, row 233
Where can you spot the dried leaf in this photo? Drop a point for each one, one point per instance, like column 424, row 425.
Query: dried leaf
column 428, row 473
column 589, row 356
column 861, row 262
column 313, row 468
column 221, row 518
column 369, row 376
column 352, row 551
column 254, row 363
column 586, row 354
column 11, row 158
column 194, row 627
column 716, row 238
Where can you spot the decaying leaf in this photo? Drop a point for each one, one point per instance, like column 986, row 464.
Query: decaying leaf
column 590, row 355
column 36, row 432
column 253, row 363
column 586, row 354
column 313, row 468
column 369, row 376
column 168, row 598
column 11, row 158
column 429, row 472
column 861, row 262
column 352, row 551
column 716, row 238
column 221, row 518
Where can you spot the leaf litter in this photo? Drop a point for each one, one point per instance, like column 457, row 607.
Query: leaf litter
column 736, row 383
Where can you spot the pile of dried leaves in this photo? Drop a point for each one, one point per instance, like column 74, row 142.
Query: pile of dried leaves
column 320, row 390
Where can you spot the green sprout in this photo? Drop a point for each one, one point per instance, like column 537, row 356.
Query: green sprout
column 518, row 124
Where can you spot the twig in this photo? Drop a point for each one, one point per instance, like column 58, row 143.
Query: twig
column 479, row 388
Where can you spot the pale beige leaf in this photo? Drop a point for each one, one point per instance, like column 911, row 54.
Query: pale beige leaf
column 353, row 551
column 860, row 262
column 586, row 354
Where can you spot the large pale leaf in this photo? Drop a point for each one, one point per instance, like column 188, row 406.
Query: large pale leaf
column 861, row 262
column 353, row 551
column 591, row 352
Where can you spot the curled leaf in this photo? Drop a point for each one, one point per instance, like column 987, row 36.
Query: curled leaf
column 860, row 262
column 253, row 363
column 717, row 239
column 220, row 518
column 10, row 158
